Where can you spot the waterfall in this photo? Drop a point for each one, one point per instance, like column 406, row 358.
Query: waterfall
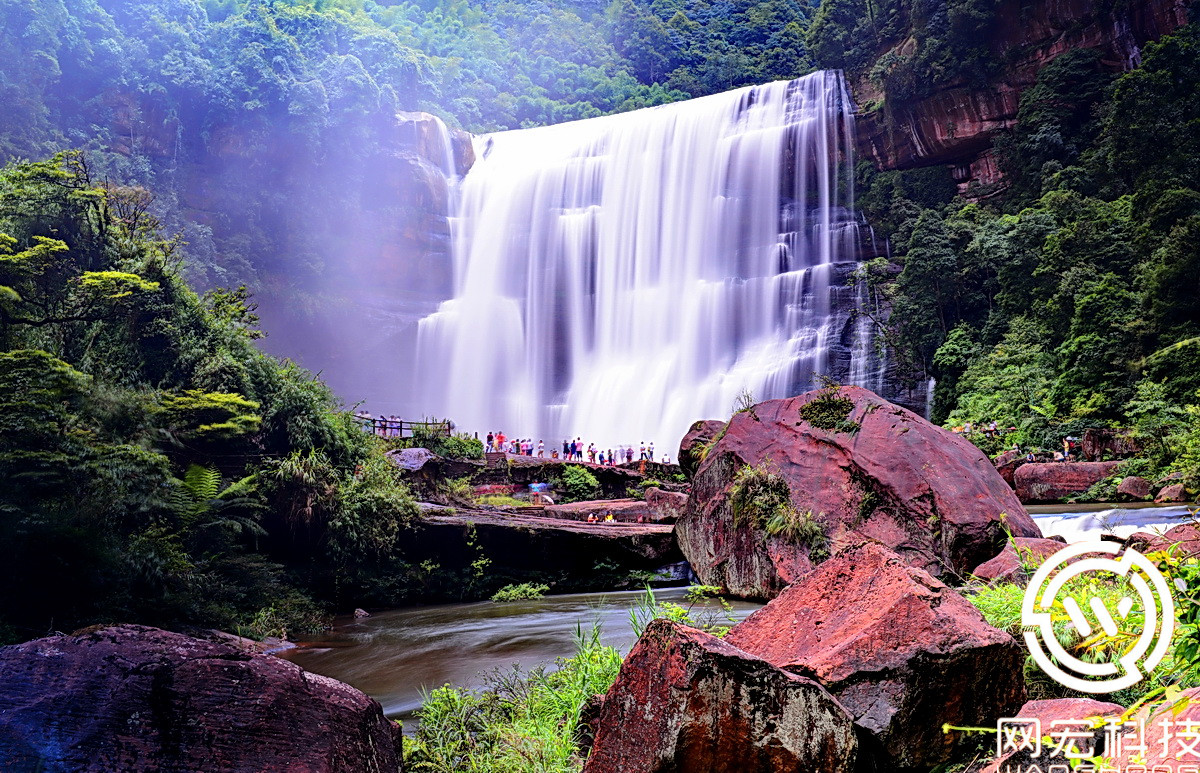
column 620, row 277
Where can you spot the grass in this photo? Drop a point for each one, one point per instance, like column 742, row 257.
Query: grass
column 518, row 723
column 761, row 496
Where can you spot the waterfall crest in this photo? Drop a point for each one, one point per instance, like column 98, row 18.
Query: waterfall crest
column 620, row 277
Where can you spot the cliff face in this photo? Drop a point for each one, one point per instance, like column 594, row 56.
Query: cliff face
column 955, row 125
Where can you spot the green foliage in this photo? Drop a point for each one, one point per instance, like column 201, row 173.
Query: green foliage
column 829, row 410
column 577, row 484
column 521, row 592
column 500, row 500
column 518, row 722
column 761, row 497
column 698, row 612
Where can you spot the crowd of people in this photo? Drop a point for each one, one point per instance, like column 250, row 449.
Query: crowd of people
column 571, row 450
column 1071, row 449
column 383, row 426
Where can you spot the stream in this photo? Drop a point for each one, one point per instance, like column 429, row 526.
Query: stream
column 394, row 656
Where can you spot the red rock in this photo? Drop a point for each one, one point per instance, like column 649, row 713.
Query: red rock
column 687, row 701
column 667, row 506
column 1007, row 463
column 1009, row 565
column 1176, row 492
column 927, row 493
column 1153, row 758
column 133, row 698
column 1135, row 488
column 955, row 124
column 1182, row 540
column 1113, row 443
column 624, row 510
column 1055, row 481
column 700, row 434
column 901, row 651
column 1074, row 711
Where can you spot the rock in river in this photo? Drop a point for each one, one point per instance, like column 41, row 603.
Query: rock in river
column 132, row 698
column 856, row 465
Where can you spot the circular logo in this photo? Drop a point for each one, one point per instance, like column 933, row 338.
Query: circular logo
column 1047, row 588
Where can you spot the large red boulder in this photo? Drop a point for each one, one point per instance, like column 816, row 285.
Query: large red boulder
column 667, row 506
column 1009, row 565
column 687, row 701
column 698, row 437
column 132, row 698
column 1050, row 719
column 878, row 471
column 901, row 651
column 1183, row 541
column 1007, row 463
column 1055, row 481
column 1168, row 743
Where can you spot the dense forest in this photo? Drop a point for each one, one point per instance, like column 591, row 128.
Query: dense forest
column 158, row 467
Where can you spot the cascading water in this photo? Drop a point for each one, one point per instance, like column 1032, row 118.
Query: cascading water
column 620, row 277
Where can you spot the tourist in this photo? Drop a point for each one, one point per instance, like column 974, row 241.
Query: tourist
column 591, row 518
column 381, row 426
column 1029, row 457
column 602, row 458
column 541, row 449
column 490, row 442
column 566, row 450
column 650, row 451
column 592, row 453
column 579, row 449
column 642, row 451
column 611, row 460
column 500, row 441
column 629, row 455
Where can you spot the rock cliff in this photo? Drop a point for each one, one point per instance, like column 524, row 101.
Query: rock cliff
column 955, row 124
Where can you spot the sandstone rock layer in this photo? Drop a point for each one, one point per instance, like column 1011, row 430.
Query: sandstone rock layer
column 1055, row 481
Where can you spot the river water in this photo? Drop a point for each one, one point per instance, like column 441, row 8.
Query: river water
column 394, row 656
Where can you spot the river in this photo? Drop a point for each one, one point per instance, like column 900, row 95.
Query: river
column 394, row 656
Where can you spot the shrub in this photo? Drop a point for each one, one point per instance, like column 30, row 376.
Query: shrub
column 526, row 591
column 829, row 410
column 500, row 500
column 761, row 497
column 578, row 484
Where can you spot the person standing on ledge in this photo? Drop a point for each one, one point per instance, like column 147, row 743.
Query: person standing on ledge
column 541, row 449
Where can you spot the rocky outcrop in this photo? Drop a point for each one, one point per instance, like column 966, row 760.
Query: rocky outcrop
column 623, row 510
column 1056, row 481
column 1072, row 715
column 956, row 124
column 885, row 474
column 1009, row 565
column 687, row 701
column 133, row 698
column 1134, row 488
column 698, row 436
column 1111, row 443
column 901, row 651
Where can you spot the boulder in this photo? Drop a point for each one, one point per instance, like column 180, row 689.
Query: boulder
column 1007, row 463
column 1134, row 488
column 884, row 473
column 1055, row 481
column 1071, row 715
column 686, row 701
column 1176, row 492
column 411, row 459
column 699, row 435
column 1009, row 565
column 667, row 506
column 132, row 698
column 901, row 651
column 1149, row 753
column 1183, row 539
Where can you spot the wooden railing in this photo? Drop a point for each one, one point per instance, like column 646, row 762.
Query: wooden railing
column 403, row 428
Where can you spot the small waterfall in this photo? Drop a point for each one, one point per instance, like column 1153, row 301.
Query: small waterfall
column 620, row 277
